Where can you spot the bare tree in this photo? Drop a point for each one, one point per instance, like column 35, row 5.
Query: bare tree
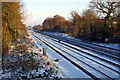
column 108, row 9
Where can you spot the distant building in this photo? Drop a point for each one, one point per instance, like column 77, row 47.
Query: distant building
column 29, row 28
column 101, row 20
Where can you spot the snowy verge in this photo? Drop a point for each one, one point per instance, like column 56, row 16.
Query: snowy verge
column 24, row 62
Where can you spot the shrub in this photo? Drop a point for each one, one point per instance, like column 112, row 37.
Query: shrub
column 23, row 48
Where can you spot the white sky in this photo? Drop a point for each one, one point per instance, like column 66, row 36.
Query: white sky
column 39, row 10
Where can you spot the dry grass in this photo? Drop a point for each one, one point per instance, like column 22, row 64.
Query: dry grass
column 23, row 48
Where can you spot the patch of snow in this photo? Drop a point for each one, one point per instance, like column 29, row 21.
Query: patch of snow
column 67, row 68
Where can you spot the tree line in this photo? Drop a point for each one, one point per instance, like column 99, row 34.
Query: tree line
column 100, row 22
column 12, row 15
column 81, row 26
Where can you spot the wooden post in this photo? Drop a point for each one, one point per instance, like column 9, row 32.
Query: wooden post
column 44, row 51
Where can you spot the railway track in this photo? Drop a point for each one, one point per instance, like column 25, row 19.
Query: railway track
column 108, row 52
column 94, row 44
column 84, row 52
column 95, row 67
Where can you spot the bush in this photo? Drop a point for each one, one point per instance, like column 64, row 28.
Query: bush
column 23, row 48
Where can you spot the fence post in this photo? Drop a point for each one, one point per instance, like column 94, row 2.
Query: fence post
column 44, row 51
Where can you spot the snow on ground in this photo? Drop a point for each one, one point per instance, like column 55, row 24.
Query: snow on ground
column 66, row 67
column 87, row 61
column 57, row 44
column 110, row 45
column 66, row 47
column 26, row 65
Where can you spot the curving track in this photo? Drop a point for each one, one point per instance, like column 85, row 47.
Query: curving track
column 95, row 64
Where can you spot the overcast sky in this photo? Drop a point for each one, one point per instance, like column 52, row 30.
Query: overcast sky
column 38, row 10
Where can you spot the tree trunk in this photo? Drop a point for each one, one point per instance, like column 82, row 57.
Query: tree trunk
column 105, row 30
column 0, row 40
